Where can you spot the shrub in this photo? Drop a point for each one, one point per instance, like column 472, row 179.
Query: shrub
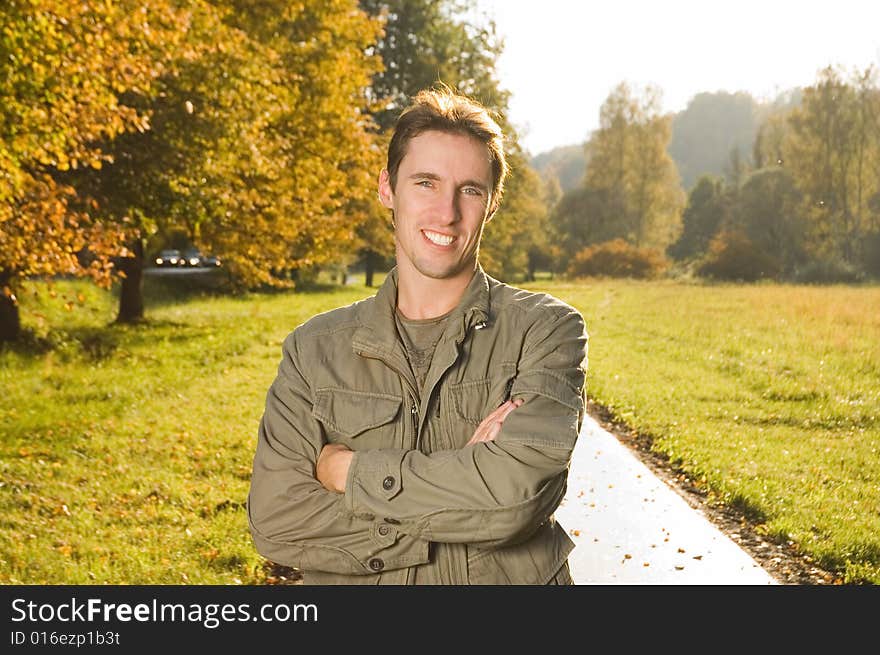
column 871, row 253
column 618, row 258
column 733, row 256
column 828, row 271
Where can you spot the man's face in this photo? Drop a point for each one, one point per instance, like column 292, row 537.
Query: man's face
column 440, row 203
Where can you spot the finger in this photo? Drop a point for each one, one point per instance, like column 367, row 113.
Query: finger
column 507, row 410
column 486, row 431
column 497, row 412
column 488, row 434
column 492, row 417
column 478, row 434
column 493, row 431
column 496, row 416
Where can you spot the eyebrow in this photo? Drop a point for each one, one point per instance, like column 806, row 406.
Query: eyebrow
column 433, row 176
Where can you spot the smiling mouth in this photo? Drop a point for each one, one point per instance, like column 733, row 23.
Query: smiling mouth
column 437, row 238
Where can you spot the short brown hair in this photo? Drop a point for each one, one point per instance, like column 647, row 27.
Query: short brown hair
column 444, row 110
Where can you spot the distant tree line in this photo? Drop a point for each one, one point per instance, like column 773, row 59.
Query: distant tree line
column 803, row 204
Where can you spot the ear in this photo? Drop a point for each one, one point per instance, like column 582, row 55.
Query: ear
column 386, row 193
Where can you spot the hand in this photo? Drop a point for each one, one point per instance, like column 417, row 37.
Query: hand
column 491, row 425
column 331, row 470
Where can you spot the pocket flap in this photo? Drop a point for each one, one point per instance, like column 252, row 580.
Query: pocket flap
column 473, row 400
column 351, row 412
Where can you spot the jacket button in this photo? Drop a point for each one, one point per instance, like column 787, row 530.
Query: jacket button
column 376, row 564
column 383, row 530
column 388, row 483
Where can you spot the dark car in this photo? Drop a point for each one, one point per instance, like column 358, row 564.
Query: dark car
column 210, row 260
column 170, row 258
column 192, row 257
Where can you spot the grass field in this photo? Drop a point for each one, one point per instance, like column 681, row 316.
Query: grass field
column 767, row 395
column 125, row 451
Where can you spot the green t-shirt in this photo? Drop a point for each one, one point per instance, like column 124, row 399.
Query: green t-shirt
column 419, row 338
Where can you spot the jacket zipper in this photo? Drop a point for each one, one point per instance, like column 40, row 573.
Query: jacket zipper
column 414, row 412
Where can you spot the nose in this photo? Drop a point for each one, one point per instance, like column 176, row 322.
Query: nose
column 448, row 207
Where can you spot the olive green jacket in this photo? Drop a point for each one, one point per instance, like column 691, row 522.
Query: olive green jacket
column 420, row 506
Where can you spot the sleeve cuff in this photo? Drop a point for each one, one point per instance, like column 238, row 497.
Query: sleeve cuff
column 373, row 478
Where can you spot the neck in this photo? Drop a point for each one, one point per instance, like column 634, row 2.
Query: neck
column 420, row 297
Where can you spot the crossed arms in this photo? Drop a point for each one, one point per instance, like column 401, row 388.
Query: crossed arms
column 334, row 461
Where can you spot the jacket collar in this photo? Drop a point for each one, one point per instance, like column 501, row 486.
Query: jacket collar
column 378, row 332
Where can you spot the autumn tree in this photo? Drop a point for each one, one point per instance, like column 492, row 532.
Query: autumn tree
column 769, row 146
column 707, row 206
column 628, row 164
column 63, row 68
column 514, row 238
column 584, row 217
column 259, row 147
column 832, row 151
column 426, row 41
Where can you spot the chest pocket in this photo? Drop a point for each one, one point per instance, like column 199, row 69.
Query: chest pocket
column 359, row 419
column 471, row 401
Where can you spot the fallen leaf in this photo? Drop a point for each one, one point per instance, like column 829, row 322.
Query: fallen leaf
column 679, row 568
column 698, row 557
column 576, row 533
column 627, row 556
column 681, row 550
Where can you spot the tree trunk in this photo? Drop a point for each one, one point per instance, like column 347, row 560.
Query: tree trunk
column 369, row 267
column 131, row 296
column 10, row 319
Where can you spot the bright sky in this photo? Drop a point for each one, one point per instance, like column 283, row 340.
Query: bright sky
column 563, row 57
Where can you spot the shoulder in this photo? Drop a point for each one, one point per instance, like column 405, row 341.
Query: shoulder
column 335, row 322
column 512, row 303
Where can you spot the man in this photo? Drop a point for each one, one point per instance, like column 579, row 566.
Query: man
column 422, row 436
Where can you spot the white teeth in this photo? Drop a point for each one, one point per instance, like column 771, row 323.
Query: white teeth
column 439, row 239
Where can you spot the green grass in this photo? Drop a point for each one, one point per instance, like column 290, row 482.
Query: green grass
column 125, row 452
column 767, row 395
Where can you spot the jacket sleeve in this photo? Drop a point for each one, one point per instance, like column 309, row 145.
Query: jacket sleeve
column 495, row 493
column 293, row 519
